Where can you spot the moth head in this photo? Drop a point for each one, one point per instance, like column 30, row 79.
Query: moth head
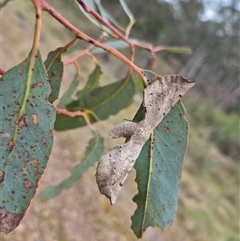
column 183, row 84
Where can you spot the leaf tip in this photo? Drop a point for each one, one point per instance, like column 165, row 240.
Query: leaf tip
column 9, row 221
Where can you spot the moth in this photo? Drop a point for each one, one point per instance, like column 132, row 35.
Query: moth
column 158, row 99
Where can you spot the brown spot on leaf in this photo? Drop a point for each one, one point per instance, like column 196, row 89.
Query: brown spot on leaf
column 35, row 119
column 26, row 153
column 22, row 121
column 24, row 170
column 51, row 134
column 2, row 174
column 11, row 145
column 34, row 162
column 181, row 116
column 44, row 140
column 28, row 184
column 166, row 129
column 9, row 221
column 39, row 84
column 16, row 102
column 21, row 73
column 2, row 134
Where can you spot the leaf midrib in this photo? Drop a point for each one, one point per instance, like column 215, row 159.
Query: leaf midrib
column 111, row 96
column 23, row 106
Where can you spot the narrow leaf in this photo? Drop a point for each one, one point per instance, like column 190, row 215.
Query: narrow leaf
column 127, row 10
column 92, row 83
column 92, row 155
column 174, row 49
column 26, row 124
column 114, row 21
column 103, row 102
column 92, row 5
column 159, row 168
column 101, row 10
column 54, row 67
column 67, row 96
column 130, row 15
column 179, row 50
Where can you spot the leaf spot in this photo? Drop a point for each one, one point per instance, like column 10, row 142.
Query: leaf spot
column 2, row 134
column 39, row 84
column 11, row 145
column 166, row 129
column 17, row 103
column 21, row 73
column 34, row 162
column 35, row 119
column 9, row 221
column 2, row 174
column 22, row 121
column 28, row 184
column 44, row 140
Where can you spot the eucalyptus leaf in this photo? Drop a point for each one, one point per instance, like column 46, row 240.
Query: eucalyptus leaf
column 54, row 67
column 159, row 168
column 26, row 138
column 92, row 154
column 102, row 102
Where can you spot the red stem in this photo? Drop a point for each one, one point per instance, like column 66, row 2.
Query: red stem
column 69, row 113
column 76, row 57
column 109, row 26
column 2, row 71
column 80, row 35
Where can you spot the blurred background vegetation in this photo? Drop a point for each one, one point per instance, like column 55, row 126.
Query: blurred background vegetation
column 209, row 193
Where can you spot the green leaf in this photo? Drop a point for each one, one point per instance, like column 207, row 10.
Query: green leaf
column 92, row 83
column 92, row 5
column 67, row 96
column 159, row 168
column 150, row 75
column 113, row 20
column 127, row 10
column 92, row 155
column 26, row 138
column 103, row 102
column 179, row 50
column 54, row 67
column 129, row 14
column 101, row 10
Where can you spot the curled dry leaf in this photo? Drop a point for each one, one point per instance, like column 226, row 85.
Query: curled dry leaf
column 159, row 98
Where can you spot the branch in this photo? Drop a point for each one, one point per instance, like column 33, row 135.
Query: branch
column 80, row 35
column 109, row 26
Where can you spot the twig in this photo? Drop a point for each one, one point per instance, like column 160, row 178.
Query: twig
column 80, row 35
column 109, row 26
